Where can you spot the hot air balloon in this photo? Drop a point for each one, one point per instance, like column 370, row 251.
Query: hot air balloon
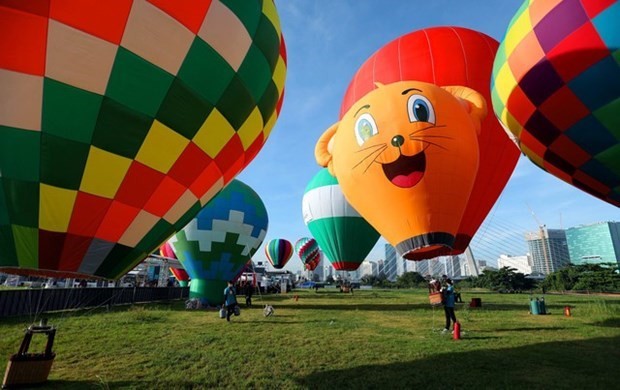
column 179, row 273
column 278, row 252
column 308, row 251
column 344, row 236
column 448, row 56
column 406, row 157
column 119, row 120
column 556, row 88
column 216, row 245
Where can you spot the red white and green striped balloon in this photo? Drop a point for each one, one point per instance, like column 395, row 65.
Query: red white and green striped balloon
column 343, row 235
column 309, row 252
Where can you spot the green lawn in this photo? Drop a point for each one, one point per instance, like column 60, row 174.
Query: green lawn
column 372, row 339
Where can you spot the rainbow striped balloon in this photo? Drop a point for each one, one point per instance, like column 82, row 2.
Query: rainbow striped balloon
column 278, row 252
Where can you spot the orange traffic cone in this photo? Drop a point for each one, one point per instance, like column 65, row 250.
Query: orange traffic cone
column 457, row 331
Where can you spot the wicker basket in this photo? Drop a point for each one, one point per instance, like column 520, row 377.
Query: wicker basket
column 30, row 368
column 435, row 298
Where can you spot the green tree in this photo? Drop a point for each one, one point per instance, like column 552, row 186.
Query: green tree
column 591, row 277
column 410, row 279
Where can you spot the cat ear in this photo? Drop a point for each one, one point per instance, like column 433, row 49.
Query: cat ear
column 324, row 147
column 472, row 101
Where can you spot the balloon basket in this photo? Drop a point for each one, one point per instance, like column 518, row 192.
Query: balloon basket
column 435, row 298
column 23, row 368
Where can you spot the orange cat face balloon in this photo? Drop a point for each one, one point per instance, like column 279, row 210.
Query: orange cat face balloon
column 406, row 156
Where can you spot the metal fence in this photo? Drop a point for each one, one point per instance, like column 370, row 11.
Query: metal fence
column 35, row 301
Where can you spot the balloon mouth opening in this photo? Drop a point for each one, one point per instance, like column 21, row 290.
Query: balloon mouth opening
column 346, row 265
column 406, row 171
column 425, row 246
column 427, row 252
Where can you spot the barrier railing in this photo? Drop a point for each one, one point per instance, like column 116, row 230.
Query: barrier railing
column 37, row 301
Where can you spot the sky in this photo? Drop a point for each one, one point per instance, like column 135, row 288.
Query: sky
column 327, row 41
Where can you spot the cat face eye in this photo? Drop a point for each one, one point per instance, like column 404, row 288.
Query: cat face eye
column 365, row 127
column 420, row 109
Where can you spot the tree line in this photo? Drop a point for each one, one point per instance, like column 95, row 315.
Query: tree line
column 587, row 277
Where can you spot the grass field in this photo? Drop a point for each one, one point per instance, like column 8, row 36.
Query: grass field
column 371, row 339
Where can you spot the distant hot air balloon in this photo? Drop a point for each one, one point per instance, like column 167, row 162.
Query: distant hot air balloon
column 119, row 120
column 344, row 236
column 556, row 88
column 308, row 251
column 444, row 56
column 179, row 273
column 278, row 252
column 216, row 245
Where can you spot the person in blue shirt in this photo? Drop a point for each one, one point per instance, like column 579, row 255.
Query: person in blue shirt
column 230, row 300
column 448, row 303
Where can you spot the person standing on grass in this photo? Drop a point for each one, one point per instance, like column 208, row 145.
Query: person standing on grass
column 249, row 290
column 448, row 304
column 230, row 299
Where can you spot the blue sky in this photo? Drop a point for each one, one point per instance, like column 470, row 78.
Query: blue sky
column 326, row 42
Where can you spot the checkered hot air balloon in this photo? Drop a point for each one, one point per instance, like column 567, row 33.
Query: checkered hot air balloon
column 218, row 243
column 278, row 252
column 179, row 273
column 556, row 88
column 343, row 235
column 120, row 119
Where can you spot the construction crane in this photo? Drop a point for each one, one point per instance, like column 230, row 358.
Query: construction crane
column 541, row 232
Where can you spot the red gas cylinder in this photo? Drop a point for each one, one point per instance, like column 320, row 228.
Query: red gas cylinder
column 457, row 331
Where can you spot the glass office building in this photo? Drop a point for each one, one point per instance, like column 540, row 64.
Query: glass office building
column 595, row 243
column 548, row 249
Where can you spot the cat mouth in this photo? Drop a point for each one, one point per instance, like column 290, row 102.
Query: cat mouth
column 406, row 171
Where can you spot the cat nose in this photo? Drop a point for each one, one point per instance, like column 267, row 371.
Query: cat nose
column 398, row 141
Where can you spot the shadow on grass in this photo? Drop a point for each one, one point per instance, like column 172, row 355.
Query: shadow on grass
column 610, row 323
column 575, row 364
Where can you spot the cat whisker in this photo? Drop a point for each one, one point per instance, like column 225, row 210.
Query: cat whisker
column 371, row 147
column 411, row 137
column 432, row 143
column 426, row 128
column 376, row 151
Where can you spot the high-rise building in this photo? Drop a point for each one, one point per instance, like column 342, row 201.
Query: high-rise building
column 594, row 243
column 522, row 264
column 380, row 266
column 548, row 249
column 422, row 267
column 368, row 268
column 453, row 266
column 390, row 264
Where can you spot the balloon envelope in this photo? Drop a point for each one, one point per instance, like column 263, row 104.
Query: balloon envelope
column 556, row 88
column 216, row 245
column 448, row 56
column 179, row 273
column 340, row 231
column 119, row 120
column 308, row 251
column 278, row 252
